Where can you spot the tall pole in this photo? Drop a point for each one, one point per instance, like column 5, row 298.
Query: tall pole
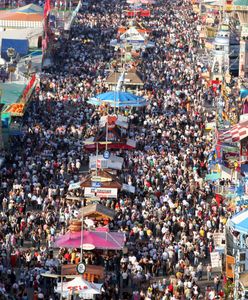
column 236, row 274
column 106, row 146
column 82, row 233
column 61, row 294
column 96, row 156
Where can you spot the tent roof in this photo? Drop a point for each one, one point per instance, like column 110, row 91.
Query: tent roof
column 79, row 284
column 239, row 222
column 29, row 9
column 11, row 92
column 29, row 12
column 100, row 239
column 111, row 180
column 237, row 133
column 118, row 99
column 132, row 34
column 97, row 209
column 131, row 78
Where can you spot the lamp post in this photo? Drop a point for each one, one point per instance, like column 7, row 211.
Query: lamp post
column 11, row 54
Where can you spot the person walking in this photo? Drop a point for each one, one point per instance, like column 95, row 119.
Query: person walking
column 216, row 283
column 209, row 272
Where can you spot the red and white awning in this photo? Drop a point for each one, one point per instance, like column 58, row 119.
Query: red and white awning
column 237, row 133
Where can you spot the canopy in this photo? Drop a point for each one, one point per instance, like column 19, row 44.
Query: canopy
column 118, row 99
column 237, row 133
column 239, row 222
column 80, row 286
column 243, row 93
column 101, row 240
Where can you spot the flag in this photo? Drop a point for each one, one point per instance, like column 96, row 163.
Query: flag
column 98, row 164
column 47, row 8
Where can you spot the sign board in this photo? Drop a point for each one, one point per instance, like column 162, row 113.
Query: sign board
column 131, row 143
column 106, row 154
column 243, row 117
column 128, row 188
column 74, row 186
column 212, row 176
column 114, row 162
column 100, row 179
column 96, row 184
column 215, row 260
column 219, row 239
column 100, row 192
column 71, row 269
column 241, row 202
column 88, row 247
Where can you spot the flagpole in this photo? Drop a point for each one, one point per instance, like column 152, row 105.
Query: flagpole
column 96, row 156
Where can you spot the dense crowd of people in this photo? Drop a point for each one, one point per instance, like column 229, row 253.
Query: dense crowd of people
column 170, row 220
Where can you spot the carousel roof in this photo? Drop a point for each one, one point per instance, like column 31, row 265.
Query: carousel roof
column 99, row 239
column 131, row 78
column 97, row 210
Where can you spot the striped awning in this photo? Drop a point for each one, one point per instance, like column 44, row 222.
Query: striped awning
column 236, row 134
column 239, row 222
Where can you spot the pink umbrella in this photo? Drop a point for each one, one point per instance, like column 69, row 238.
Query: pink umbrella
column 100, row 239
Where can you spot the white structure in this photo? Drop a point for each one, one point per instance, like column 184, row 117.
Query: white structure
column 33, row 35
column 28, row 16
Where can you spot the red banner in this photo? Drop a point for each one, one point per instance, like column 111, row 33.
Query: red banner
column 47, row 8
column 29, row 87
column 138, row 13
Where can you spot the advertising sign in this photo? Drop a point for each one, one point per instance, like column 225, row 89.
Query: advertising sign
column 100, row 192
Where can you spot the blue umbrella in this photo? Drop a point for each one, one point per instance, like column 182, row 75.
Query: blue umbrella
column 118, row 99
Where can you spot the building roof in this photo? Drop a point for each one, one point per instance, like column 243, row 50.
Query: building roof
column 240, row 2
column 11, row 92
column 239, row 222
column 244, row 279
column 29, row 12
column 131, row 78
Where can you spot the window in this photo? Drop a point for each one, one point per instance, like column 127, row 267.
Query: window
column 242, row 257
column 242, row 268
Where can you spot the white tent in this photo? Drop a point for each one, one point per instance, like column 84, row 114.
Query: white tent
column 132, row 37
column 79, row 286
column 114, row 162
column 121, row 121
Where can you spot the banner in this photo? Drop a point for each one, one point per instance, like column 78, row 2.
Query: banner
column 47, row 8
column 215, row 260
column 129, row 188
column 100, row 192
column 29, row 88
column 219, row 239
column 213, row 176
column 230, row 266
column 114, row 162
column 74, row 186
